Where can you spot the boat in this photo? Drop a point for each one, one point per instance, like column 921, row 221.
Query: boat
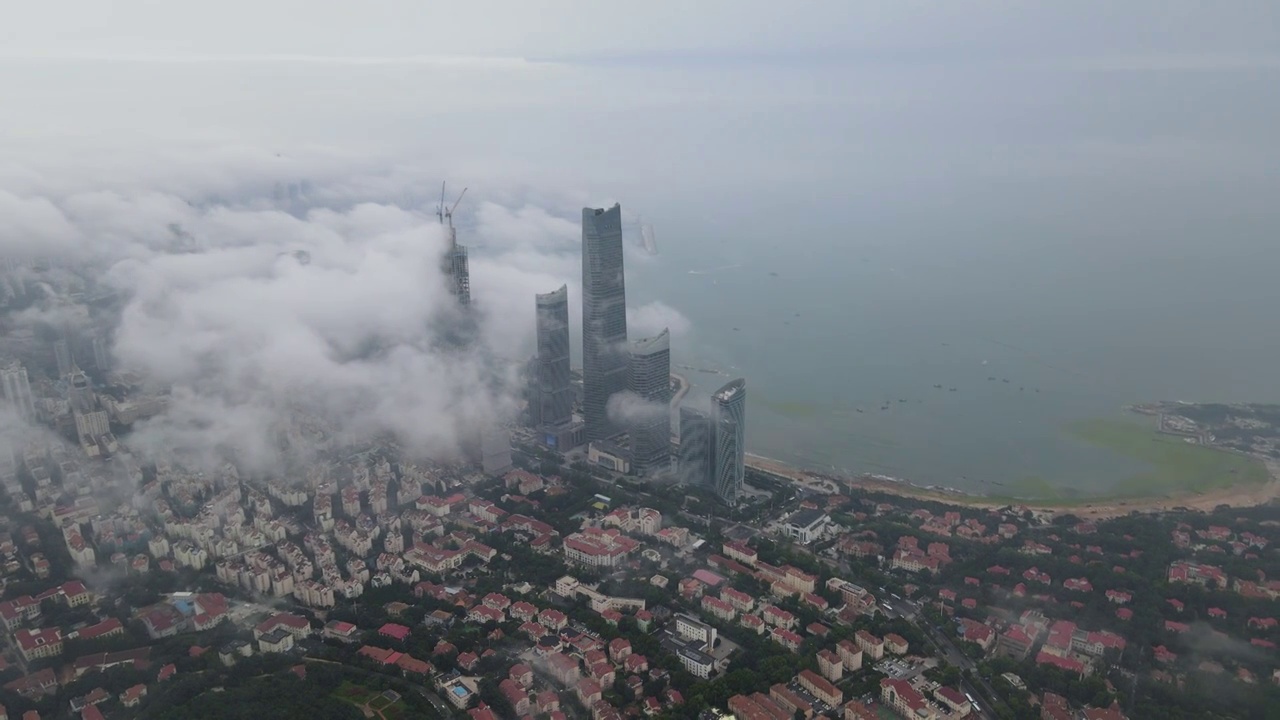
column 939, row 387
column 953, row 389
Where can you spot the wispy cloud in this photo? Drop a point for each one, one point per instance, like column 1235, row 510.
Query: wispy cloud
column 475, row 61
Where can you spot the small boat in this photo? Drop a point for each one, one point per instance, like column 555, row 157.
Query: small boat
column 1004, row 380
column 953, row 389
column 938, row 387
column 991, row 377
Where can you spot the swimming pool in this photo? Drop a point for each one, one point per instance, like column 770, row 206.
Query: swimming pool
column 459, row 691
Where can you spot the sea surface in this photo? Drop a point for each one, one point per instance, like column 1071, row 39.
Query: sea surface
column 824, row 321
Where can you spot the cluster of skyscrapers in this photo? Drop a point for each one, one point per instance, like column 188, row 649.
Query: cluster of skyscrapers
column 626, row 396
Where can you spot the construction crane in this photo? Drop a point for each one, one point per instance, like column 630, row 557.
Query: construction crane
column 441, row 213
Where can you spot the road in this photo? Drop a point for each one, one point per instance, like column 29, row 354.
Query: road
column 945, row 647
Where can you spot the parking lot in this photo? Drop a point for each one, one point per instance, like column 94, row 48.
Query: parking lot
column 899, row 669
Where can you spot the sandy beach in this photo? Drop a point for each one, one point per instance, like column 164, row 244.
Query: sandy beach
column 1101, row 509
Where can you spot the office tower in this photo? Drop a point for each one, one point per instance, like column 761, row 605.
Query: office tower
column 649, row 381
column 553, row 393
column 454, row 262
column 696, row 459
column 62, row 356
column 457, row 269
column 604, row 318
column 730, row 439
column 101, row 354
column 17, row 390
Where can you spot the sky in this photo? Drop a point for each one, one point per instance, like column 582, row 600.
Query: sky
column 734, row 120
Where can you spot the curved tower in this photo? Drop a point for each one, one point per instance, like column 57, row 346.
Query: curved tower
column 649, row 378
column 730, row 439
column 604, row 318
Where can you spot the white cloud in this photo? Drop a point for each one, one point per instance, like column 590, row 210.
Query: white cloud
column 258, row 344
column 649, row 320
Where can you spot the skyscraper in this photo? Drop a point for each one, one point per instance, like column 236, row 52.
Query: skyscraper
column 17, row 390
column 456, row 267
column 696, row 459
column 604, row 318
column 730, row 439
column 101, row 353
column 62, row 356
column 649, row 380
column 554, row 393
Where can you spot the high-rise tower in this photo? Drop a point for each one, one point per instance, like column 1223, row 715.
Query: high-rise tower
column 604, row 318
column 454, row 263
column 697, row 458
column 17, row 390
column 553, row 393
column 649, row 380
column 730, row 439
column 62, row 356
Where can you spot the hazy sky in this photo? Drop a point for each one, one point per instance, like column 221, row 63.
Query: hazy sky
column 715, row 95
column 742, row 123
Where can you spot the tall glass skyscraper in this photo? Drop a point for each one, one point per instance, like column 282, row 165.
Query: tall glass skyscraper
column 17, row 390
column 554, row 394
column 696, row 459
column 604, row 318
column 730, row 439
column 649, row 379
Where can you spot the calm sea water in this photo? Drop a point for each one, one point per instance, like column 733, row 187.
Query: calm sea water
column 863, row 318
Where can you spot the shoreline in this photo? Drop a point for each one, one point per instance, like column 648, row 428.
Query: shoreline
column 1100, row 508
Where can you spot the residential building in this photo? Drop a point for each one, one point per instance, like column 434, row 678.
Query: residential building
column 870, row 644
column 820, row 688
column 691, row 628
column 830, row 665
column 698, row 663
column 595, row 547
column 37, row 644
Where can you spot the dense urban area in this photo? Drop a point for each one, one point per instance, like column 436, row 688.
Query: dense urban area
column 385, row 588
column 574, row 569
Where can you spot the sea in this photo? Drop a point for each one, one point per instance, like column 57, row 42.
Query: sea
column 960, row 357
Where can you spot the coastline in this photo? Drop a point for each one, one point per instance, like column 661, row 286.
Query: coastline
column 1100, row 508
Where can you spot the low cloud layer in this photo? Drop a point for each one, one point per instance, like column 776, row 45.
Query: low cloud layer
column 285, row 316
